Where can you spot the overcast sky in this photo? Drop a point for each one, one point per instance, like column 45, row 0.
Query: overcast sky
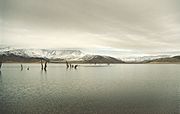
column 104, row 26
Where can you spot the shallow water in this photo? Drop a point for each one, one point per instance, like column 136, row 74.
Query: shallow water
column 100, row 89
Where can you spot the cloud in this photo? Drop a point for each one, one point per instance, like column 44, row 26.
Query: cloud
column 139, row 25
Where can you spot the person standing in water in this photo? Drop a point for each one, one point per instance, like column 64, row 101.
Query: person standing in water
column 75, row 66
column 0, row 65
column 41, row 64
column 1, row 61
column 45, row 66
column 21, row 67
column 67, row 65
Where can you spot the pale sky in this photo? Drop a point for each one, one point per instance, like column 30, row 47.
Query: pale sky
column 105, row 26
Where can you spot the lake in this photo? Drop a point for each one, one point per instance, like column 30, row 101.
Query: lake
column 90, row 89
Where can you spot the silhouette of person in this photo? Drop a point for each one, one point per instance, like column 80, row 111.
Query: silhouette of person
column 0, row 65
column 41, row 64
column 45, row 65
column 67, row 65
column 21, row 67
column 75, row 66
column 1, row 61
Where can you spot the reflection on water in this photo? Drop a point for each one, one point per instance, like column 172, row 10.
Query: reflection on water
column 90, row 89
column 0, row 76
column 43, row 75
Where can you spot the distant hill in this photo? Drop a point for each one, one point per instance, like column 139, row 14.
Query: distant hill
column 11, row 58
column 100, row 59
column 138, row 59
column 54, row 56
column 175, row 59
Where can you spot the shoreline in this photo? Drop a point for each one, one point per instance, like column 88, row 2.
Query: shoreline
column 91, row 63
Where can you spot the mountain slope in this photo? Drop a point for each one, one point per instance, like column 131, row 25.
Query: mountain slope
column 60, row 56
column 175, row 59
column 44, row 53
column 16, row 58
column 100, row 59
column 143, row 58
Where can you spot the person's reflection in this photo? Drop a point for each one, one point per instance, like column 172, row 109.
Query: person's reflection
column 43, row 75
column 0, row 76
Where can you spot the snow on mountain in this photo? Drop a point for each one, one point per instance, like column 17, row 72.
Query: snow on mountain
column 3, row 49
column 57, row 55
column 143, row 58
column 45, row 53
column 70, row 55
column 89, row 57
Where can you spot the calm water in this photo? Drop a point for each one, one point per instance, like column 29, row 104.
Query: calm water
column 100, row 89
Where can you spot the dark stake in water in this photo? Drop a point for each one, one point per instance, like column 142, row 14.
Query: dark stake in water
column 91, row 89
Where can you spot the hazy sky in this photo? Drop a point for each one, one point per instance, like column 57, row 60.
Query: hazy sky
column 111, row 26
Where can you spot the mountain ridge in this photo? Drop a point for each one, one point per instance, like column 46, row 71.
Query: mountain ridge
column 55, row 56
column 174, row 59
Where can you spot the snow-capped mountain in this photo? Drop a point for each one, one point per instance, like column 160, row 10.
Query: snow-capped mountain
column 143, row 58
column 35, row 55
column 45, row 53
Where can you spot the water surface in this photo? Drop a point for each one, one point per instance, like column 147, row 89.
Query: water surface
column 100, row 89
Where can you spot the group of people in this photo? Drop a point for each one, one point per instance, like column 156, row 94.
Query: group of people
column 45, row 65
column 70, row 65
column 22, row 67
